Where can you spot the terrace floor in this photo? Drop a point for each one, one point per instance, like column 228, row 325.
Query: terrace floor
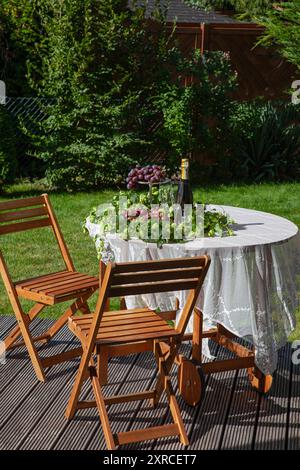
column 231, row 416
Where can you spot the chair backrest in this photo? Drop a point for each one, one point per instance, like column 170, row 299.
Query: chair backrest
column 145, row 277
column 148, row 277
column 31, row 213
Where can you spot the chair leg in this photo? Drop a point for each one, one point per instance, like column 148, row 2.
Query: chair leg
column 167, row 365
column 28, row 340
column 79, row 380
column 109, row 438
column 197, row 335
column 175, row 411
column 23, row 329
column 15, row 333
column 164, row 366
column 102, row 365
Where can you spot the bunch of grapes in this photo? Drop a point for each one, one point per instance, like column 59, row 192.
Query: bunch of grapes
column 150, row 174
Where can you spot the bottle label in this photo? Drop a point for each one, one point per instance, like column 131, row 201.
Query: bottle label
column 185, row 169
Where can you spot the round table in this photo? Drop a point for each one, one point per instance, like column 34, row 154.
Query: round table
column 252, row 286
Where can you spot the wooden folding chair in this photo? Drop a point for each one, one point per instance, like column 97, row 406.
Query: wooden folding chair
column 129, row 327
column 31, row 213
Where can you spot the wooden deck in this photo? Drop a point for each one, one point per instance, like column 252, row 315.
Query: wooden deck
column 232, row 415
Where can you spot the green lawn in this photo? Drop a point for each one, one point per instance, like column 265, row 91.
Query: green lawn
column 34, row 252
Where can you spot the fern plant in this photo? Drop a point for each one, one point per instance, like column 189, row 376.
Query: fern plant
column 265, row 141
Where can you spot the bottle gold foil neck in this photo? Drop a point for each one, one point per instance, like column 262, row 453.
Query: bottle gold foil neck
column 185, row 169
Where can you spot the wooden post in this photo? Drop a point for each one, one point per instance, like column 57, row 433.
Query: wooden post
column 205, row 37
column 197, row 335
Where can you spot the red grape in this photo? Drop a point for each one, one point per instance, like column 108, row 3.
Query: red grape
column 149, row 173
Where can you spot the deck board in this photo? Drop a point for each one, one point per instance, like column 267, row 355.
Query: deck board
column 240, row 425
column 294, row 408
column 232, row 415
column 272, row 420
column 209, row 423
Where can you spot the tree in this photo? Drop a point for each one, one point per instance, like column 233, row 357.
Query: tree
column 283, row 29
column 20, row 36
column 102, row 67
column 196, row 106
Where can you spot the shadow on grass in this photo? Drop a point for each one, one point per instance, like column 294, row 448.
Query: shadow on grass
column 28, row 188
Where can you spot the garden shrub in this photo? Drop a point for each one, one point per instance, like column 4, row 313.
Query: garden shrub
column 103, row 67
column 265, row 142
column 196, row 106
column 8, row 161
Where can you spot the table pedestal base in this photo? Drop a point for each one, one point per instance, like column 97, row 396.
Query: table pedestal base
column 191, row 373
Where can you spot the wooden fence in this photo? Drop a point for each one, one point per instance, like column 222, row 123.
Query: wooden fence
column 262, row 71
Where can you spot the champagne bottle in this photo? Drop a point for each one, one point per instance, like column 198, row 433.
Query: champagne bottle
column 184, row 195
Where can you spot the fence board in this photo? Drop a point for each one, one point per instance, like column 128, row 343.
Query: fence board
column 262, row 71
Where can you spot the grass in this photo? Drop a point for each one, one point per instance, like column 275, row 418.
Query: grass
column 34, row 252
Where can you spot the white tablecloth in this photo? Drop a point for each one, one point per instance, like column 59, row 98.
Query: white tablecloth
column 252, row 286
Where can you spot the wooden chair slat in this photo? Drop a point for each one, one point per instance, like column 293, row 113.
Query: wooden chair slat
column 167, row 264
column 49, row 299
column 138, row 435
column 155, row 287
column 19, row 203
column 126, row 313
column 135, row 337
column 126, row 317
column 29, row 281
column 22, row 226
column 127, row 321
column 74, row 294
column 117, row 318
column 159, row 265
column 143, row 277
column 77, row 286
column 23, row 214
column 117, row 333
column 35, row 284
column 64, row 282
column 118, row 328
column 82, row 320
column 114, row 313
